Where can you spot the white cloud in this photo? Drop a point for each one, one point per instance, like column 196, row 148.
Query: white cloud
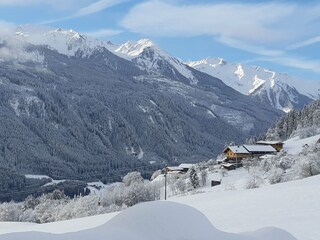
column 242, row 21
column 57, row 4
column 97, row 7
column 6, row 26
column 89, row 9
column 265, row 29
column 20, row 2
column 250, row 48
column 104, row 33
column 259, row 23
column 299, row 63
column 305, row 43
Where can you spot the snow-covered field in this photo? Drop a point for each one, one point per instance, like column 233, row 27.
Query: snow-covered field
column 157, row 221
column 295, row 145
column 292, row 206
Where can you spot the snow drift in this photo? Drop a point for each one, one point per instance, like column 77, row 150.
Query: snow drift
column 157, row 221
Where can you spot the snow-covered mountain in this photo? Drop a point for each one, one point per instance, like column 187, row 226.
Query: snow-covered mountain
column 89, row 107
column 149, row 56
column 144, row 53
column 67, row 42
column 278, row 89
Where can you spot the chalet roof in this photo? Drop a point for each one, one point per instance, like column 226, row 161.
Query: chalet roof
column 237, row 149
column 186, row 165
column 269, row 142
column 259, row 148
column 174, row 168
column 227, row 165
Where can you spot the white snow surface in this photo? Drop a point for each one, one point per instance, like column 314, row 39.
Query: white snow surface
column 295, row 145
column 238, row 149
column 259, row 148
column 251, row 80
column 67, row 42
column 71, row 43
column 292, row 206
column 73, row 225
column 133, row 51
column 157, row 220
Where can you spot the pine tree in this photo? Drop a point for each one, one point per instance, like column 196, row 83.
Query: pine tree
column 193, row 177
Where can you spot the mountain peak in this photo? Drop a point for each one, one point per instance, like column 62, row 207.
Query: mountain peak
column 134, row 49
column 68, row 33
column 279, row 90
column 213, row 62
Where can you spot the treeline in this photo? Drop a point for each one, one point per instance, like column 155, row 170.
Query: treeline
column 304, row 123
column 131, row 190
column 16, row 187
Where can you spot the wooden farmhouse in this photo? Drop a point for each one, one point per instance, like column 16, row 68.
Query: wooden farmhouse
column 260, row 150
column 277, row 145
column 182, row 168
column 186, row 166
column 174, row 169
column 235, row 153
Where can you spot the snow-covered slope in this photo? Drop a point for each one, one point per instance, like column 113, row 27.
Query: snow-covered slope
column 278, row 89
column 67, row 42
column 161, row 101
column 157, row 221
column 149, row 56
column 144, row 53
column 292, row 206
column 295, row 145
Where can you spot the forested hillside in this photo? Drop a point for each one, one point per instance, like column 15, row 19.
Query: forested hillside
column 90, row 115
column 304, row 123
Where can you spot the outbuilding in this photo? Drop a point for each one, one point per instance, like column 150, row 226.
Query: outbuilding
column 275, row 144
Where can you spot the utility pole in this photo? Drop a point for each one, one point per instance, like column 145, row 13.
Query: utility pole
column 165, row 183
column 236, row 161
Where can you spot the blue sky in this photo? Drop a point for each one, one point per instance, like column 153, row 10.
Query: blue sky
column 281, row 35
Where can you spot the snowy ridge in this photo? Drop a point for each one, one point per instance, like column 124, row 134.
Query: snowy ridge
column 67, row 42
column 146, row 54
column 149, row 56
column 278, row 89
column 133, row 49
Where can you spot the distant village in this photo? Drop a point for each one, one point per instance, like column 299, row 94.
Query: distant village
column 235, row 154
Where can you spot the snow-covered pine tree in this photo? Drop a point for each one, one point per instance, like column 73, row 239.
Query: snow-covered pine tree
column 296, row 122
column 193, row 177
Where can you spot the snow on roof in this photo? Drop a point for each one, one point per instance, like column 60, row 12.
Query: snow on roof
column 186, row 165
column 174, row 168
column 259, row 148
column 269, row 142
column 227, row 164
column 266, row 156
column 238, row 149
